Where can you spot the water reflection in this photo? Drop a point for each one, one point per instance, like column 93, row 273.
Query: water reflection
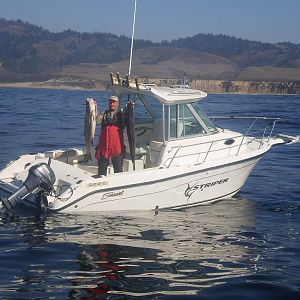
column 139, row 254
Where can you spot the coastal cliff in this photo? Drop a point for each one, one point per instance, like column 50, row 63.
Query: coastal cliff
column 247, row 87
column 238, row 86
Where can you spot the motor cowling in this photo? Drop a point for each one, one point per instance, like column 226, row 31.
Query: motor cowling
column 39, row 176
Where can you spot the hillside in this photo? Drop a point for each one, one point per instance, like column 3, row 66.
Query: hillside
column 32, row 53
column 244, row 53
column 160, row 62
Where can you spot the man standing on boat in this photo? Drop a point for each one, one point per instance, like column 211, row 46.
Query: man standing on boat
column 111, row 141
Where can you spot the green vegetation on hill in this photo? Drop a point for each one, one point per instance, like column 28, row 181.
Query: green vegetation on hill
column 244, row 53
column 27, row 49
column 29, row 52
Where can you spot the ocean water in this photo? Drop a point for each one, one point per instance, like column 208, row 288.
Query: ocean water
column 247, row 247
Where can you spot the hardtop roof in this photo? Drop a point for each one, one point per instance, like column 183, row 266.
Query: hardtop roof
column 166, row 95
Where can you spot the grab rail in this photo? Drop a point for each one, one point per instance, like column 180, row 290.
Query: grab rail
column 274, row 120
column 257, row 137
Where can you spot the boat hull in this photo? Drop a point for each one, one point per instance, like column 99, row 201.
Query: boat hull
column 195, row 187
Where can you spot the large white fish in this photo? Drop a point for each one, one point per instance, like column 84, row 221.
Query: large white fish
column 91, row 112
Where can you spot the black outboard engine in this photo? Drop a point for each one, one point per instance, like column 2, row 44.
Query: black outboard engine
column 39, row 176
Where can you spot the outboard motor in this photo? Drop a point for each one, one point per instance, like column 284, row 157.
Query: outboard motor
column 39, row 176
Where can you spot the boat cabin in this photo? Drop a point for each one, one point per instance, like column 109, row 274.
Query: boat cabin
column 166, row 119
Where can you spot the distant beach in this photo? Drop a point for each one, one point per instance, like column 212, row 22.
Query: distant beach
column 46, row 85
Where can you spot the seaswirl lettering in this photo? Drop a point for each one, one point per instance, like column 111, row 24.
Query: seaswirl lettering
column 200, row 187
column 112, row 194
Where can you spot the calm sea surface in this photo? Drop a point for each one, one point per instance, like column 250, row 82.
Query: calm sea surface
column 242, row 248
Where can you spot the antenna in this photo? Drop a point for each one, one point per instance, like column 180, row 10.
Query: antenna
column 132, row 36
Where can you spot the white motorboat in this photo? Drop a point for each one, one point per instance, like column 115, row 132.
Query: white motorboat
column 181, row 159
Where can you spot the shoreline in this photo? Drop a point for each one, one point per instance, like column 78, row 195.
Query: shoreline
column 42, row 85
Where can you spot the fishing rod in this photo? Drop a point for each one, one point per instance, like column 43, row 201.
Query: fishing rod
column 132, row 37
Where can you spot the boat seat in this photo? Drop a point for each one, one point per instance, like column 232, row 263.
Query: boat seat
column 156, row 142
column 157, row 133
column 68, row 156
column 154, row 153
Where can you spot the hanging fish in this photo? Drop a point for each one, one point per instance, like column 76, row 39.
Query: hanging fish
column 91, row 112
column 130, row 125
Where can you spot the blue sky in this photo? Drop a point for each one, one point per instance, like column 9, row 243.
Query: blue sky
column 263, row 20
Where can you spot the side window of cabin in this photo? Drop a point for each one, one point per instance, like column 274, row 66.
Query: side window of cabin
column 183, row 122
column 187, row 122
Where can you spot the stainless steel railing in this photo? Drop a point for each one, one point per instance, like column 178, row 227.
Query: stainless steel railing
column 251, row 134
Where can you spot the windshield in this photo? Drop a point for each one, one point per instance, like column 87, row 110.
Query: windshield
column 209, row 124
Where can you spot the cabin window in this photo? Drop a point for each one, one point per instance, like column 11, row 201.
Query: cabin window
column 208, row 123
column 142, row 113
column 184, row 122
column 187, row 122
